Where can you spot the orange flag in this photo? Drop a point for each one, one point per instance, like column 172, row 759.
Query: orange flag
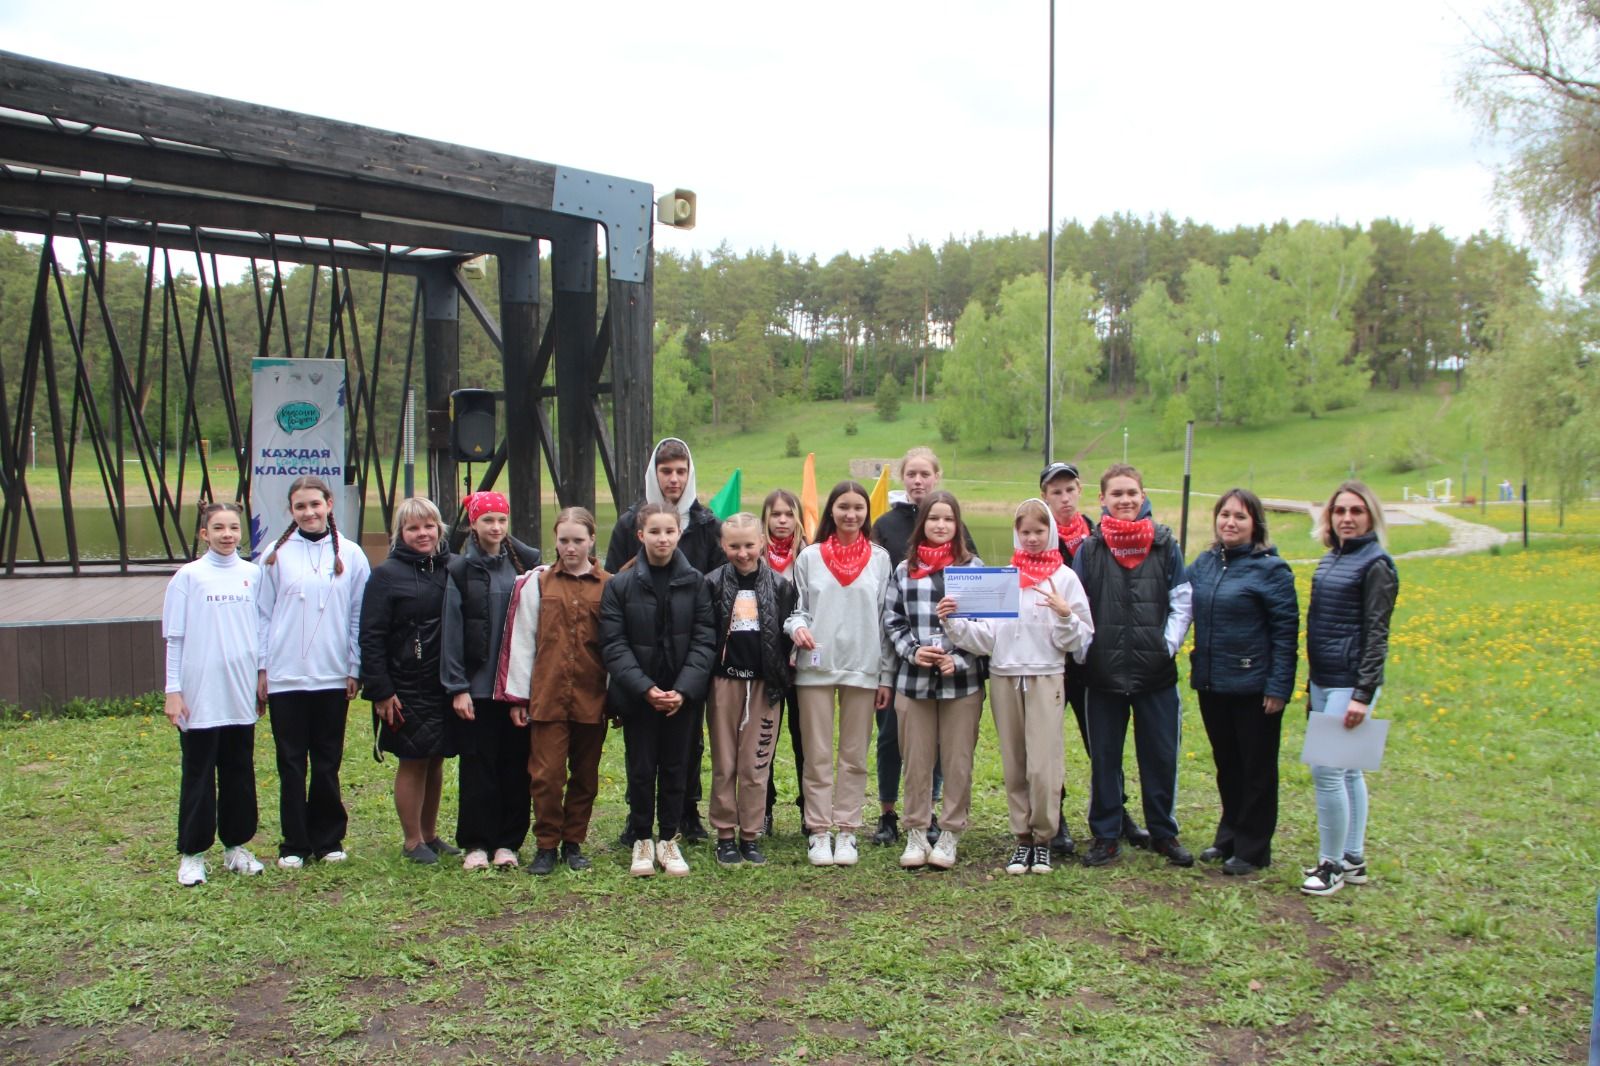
column 878, row 501
column 809, row 514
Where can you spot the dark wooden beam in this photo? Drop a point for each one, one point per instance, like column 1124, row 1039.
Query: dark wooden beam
column 269, row 134
column 78, row 197
column 630, row 307
column 441, row 370
column 31, row 144
column 519, row 324
column 244, row 246
column 574, row 284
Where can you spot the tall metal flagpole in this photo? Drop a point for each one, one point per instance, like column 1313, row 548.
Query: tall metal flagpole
column 1050, row 260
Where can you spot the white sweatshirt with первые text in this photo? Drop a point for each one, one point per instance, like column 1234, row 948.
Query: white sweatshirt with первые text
column 208, row 619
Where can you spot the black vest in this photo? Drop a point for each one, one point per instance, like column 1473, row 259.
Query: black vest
column 1333, row 621
column 1129, row 607
column 471, row 575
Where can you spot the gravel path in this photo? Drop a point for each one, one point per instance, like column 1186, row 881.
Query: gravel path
column 1465, row 537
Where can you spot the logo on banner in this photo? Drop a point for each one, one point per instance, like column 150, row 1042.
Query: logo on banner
column 298, row 415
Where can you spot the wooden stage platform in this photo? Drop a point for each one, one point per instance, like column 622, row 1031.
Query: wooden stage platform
column 91, row 636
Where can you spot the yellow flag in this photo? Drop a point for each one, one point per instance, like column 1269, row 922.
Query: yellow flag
column 878, row 500
column 809, row 514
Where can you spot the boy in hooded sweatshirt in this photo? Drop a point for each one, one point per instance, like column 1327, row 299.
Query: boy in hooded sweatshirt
column 669, row 480
column 1027, row 654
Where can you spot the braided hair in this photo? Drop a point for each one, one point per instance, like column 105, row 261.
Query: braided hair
column 299, row 484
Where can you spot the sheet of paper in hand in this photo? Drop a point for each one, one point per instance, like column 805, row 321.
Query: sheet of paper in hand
column 983, row 591
column 1329, row 743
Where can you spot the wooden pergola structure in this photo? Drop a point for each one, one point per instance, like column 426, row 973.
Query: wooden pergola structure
column 100, row 159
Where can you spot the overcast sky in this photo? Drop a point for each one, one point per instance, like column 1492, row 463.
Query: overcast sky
column 829, row 127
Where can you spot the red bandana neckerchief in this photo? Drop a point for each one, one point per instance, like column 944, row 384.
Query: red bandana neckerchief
column 1035, row 568
column 1129, row 541
column 932, row 558
column 846, row 561
column 1075, row 533
column 780, row 553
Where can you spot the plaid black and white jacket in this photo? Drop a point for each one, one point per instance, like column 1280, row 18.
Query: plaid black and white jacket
column 910, row 621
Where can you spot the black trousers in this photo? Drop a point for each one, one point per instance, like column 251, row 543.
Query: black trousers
column 697, row 757
column 496, row 802
column 657, row 749
column 1077, row 697
column 1157, row 731
column 217, row 794
column 1244, row 743
column 308, row 732
column 792, row 705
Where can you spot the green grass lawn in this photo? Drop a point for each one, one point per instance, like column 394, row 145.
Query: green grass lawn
column 1473, row 943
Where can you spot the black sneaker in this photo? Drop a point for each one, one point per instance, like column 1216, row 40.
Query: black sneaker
column 1104, row 851
column 1176, row 853
column 933, row 829
column 573, row 856
column 1021, row 859
column 1355, row 869
column 888, row 830
column 544, row 862
column 728, row 853
column 1325, row 880
column 422, row 854
column 693, row 830
column 1139, row 838
column 1234, row 866
column 626, row 840
column 1062, row 843
column 752, row 854
column 1041, row 859
column 441, row 848
column 1214, row 854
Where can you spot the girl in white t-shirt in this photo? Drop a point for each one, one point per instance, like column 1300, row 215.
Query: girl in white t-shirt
column 209, row 621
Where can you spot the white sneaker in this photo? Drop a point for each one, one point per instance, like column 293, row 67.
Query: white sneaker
column 477, row 859
column 290, row 862
column 335, row 856
column 644, row 858
column 916, row 853
column 844, row 849
column 192, row 870
column 820, row 850
column 504, row 857
column 670, row 858
column 944, row 852
column 240, row 861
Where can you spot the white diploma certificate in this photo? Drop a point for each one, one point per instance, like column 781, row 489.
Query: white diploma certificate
column 983, row 591
column 1329, row 743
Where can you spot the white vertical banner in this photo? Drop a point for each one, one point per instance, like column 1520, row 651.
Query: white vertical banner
column 297, row 427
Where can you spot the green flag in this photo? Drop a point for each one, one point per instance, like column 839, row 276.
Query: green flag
column 726, row 501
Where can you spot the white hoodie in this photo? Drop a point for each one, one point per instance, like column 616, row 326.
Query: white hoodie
column 652, row 483
column 1037, row 642
column 310, row 618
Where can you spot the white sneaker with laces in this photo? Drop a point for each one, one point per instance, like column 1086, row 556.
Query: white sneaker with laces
column 670, row 858
column 335, row 856
column 290, row 862
column 240, row 861
column 644, row 858
column 844, row 850
column 819, row 851
column 191, row 870
column 916, row 853
column 477, row 859
column 504, row 857
column 944, row 852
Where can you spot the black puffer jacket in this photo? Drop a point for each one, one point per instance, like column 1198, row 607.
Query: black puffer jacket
column 1246, row 622
column 701, row 542
column 775, row 600
column 639, row 653
column 1347, row 624
column 400, row 652
column 470, row 572
column 1130, row 607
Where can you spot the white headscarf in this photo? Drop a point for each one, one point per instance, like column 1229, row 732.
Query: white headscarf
column 1050, row 516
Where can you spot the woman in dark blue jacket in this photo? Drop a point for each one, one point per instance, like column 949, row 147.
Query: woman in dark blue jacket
column 1246, row 626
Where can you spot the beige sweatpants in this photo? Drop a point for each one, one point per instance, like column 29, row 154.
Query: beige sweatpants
column 835, row 800
column 1027, row 717
column 943, row 733
column 744, row 734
